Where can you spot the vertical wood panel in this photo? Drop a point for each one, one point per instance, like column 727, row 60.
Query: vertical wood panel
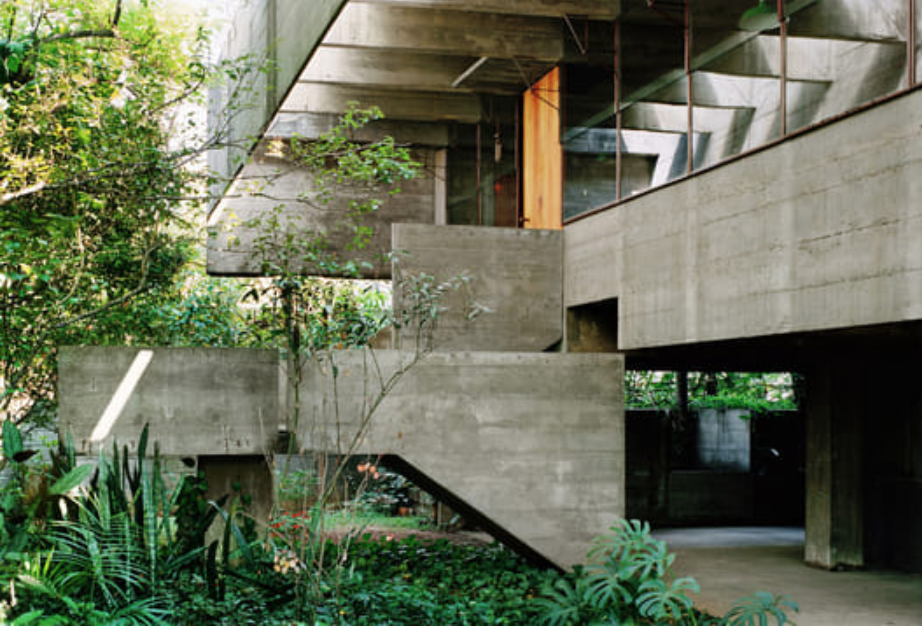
column 542, row 156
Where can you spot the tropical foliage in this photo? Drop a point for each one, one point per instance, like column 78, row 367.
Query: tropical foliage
column 91, row 217
column 756, row 391
column 630, row 582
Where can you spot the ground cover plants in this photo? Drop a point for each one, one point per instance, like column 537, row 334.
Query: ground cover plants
column 129, row 546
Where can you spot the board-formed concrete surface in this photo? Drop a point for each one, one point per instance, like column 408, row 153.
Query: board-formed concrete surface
column 272, row 198
column 198, row 401
column 285, row 31
column 534, row 442
column 516, row 274
column 820, row 232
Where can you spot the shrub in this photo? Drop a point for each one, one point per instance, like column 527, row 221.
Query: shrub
column 630, row 581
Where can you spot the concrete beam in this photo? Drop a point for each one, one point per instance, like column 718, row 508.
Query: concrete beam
column 409, row 71
column 396, row 105
column 600, row 10
column 516, row 274
column 435, row 31
column 312, row 125
column 533, row 442
column 400, row 69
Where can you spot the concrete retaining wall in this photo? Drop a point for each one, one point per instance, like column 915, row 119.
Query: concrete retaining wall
column 534, row 442
column 817, row 233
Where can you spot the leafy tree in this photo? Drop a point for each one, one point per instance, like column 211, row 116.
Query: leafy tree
column 90, row 186
column 756, row 391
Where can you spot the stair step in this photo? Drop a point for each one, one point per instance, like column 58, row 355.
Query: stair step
column 808, row 58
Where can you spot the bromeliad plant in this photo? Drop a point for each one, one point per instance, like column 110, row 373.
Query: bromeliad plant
column 630, row 582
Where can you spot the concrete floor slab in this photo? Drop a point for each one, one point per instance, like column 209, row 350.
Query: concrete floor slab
column 730, row 563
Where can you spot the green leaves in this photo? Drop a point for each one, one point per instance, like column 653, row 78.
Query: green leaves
column 631, row 582
column 663, row 602
column 12, row 440
column 759, row 609
column 71, row 480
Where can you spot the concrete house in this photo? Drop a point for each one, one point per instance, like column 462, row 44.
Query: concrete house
column 664, row 184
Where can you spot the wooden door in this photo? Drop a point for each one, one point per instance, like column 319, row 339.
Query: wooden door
column 542, row 156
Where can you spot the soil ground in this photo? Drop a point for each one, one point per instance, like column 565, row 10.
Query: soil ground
column 460, row 537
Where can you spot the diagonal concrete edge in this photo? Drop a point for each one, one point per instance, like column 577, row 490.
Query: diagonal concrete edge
column 533, row 442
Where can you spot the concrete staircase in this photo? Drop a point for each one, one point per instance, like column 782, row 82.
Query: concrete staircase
column 840, row 54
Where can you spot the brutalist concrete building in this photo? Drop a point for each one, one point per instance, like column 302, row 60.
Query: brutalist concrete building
column 631, row 184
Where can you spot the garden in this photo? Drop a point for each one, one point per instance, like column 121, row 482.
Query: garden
column 100, row 244
column 123, row 541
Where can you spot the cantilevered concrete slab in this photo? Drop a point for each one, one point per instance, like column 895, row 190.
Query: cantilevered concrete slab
column 287, row 32
column 532, row 442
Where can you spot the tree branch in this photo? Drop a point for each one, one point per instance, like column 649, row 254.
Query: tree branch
column 31, row 190
column 79, row 34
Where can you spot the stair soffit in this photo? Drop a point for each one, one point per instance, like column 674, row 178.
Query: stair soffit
column 397, row 52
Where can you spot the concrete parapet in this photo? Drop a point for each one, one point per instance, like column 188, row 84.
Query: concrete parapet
column 270, row 215
column 533, row 442
column 817, row 233
column 516, row 274
column 198, row 401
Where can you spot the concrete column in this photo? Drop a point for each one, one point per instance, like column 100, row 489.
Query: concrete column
column 835, row 407
column 247, row 478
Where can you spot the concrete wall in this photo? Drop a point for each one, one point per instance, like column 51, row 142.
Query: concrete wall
column 710, row 497
column 770, row 492
column 817, row 233
column 267, row 183
column 285, row 32
column 516, row 274
column 724, row 439
column 534, row 442
column 198, row 401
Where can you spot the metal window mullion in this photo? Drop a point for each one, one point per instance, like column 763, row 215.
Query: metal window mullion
column 911, row 43
column 618, row 118
column 784, row 67
column 689, row 90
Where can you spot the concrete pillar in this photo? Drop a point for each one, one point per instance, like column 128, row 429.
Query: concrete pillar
column 247, row 478
column 835, row 407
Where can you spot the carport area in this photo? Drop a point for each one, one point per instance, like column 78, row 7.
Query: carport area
column 732, row 562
